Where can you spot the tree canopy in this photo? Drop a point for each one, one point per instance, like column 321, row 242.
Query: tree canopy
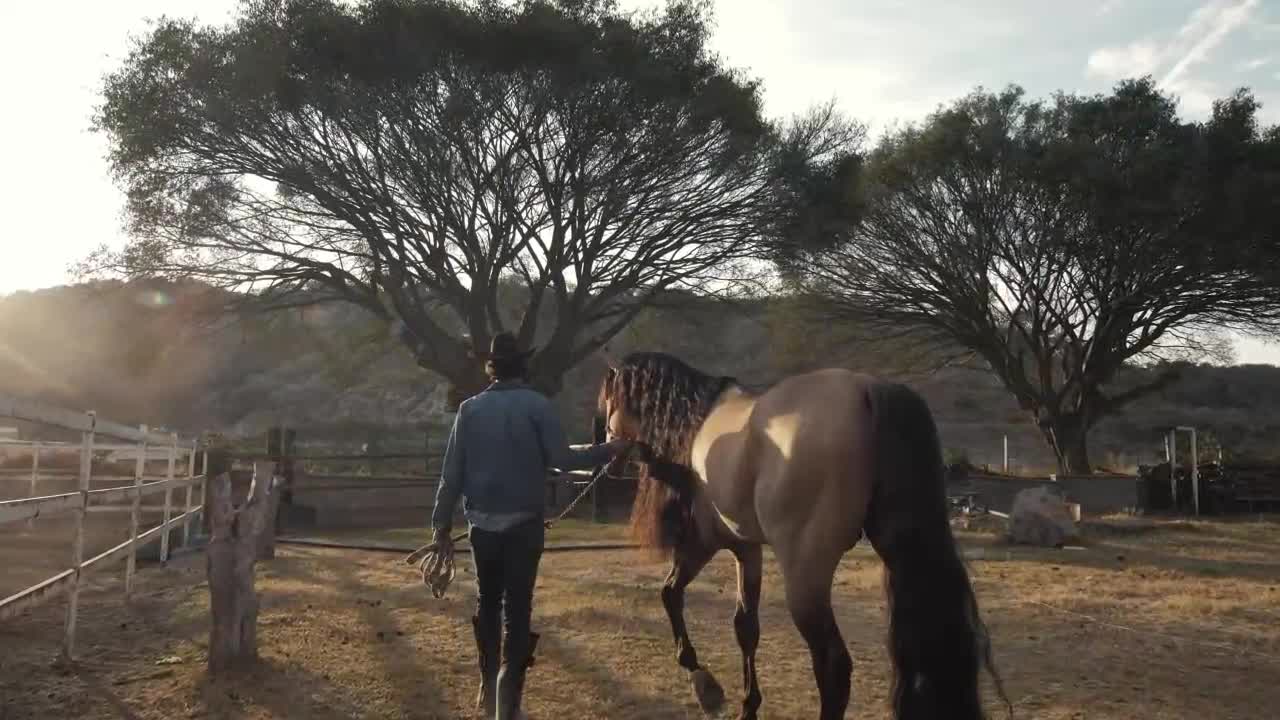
column 416, row 157
column 1060, row 240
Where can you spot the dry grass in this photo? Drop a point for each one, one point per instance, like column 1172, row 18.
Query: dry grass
column 354, row 635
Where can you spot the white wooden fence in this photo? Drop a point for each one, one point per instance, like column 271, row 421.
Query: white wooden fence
column 85, row 500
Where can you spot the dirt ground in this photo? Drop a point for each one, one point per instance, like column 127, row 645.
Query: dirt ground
column 1150, row 620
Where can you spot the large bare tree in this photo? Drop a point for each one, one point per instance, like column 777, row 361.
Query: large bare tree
column 1060, row 241
column 416, row 157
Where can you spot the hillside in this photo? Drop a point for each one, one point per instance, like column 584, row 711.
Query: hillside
column 133, row 353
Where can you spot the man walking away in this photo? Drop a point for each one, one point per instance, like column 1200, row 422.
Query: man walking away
column 503, row 442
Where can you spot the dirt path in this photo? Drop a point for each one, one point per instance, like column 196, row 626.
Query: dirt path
column 354, row 635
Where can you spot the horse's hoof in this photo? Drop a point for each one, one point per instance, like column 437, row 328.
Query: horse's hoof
column 708, row 692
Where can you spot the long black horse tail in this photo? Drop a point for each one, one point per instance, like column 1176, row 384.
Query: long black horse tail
column 937, row 640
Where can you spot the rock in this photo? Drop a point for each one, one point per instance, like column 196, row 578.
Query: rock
column 1040, row 517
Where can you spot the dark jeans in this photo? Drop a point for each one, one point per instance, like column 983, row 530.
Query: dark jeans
column 506, row 570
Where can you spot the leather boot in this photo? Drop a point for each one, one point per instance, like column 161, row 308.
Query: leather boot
column 489, row 651
column 511, row 685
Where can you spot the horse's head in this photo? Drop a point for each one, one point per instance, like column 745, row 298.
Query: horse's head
column 612, row 421
column 659, row 402
column 615, row 416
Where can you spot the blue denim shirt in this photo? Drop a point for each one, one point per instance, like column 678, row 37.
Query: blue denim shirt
column 502, row 445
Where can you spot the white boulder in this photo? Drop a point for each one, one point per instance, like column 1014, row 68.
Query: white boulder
column 1041, row 517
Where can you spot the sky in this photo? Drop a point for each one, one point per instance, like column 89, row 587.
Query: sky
column 881, row 61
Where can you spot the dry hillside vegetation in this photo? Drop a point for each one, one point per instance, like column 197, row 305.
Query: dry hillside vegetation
column 133, row 353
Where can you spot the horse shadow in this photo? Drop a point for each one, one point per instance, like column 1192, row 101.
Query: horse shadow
column 624, row 701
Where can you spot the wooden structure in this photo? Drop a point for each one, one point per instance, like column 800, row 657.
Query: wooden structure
column 313, row 494
column 1221, row 487
column 85, row 500
column 318, row 490
column 1253, row 484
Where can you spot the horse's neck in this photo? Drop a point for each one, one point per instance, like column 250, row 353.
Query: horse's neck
column 729, row 415
column 729, row 412
column 723, row 504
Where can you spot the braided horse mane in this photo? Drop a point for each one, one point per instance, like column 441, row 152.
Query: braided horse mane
column 668, row 400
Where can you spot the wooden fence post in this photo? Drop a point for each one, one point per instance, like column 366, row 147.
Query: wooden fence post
column 168, row 498
column 204, row 492
column 186, row 508
column 276, row 451
column 77, row 546
column 1195, row 471
column 217, row 461
column 286, row 469
column 139, row 469
column 599, row 434
column 231, row 555
column 35, row 478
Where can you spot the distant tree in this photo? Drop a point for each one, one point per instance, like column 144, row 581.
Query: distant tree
column 411, row 156
column 1059, row 241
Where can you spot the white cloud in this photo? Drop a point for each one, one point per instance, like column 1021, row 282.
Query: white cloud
column 1195, row 100
column 1108, row 7
column 1253, row 64
column 1210, row 24
column 1137, row 58
column 1204, row 30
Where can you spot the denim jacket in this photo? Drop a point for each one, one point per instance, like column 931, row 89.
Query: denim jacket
column 502, row 445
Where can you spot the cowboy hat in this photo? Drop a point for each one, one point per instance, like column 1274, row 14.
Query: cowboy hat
column 504, row 347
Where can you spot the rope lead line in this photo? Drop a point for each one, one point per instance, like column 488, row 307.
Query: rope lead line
column 438, row 569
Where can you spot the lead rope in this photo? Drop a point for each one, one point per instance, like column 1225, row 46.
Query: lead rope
column 438, row 569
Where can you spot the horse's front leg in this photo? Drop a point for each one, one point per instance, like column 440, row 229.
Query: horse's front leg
column 687, row 561
column 746, row 623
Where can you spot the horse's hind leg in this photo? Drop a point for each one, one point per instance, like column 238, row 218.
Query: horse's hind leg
column 687, row 561
column 808, row 585
column 746, row 623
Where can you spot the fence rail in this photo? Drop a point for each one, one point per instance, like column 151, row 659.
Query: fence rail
column 34, row 507
column 47, row 590
column 19, row 409
column 85, row 500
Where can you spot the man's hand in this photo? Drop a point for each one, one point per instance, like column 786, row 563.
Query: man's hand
column 443, row 541
column 437, row 566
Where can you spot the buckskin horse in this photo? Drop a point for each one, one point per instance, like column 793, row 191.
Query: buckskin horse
column 807, row 467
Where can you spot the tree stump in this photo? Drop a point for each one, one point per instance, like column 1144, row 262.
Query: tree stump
column 233, row 550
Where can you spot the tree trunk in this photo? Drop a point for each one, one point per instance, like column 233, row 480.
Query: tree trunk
column 231, row 554
column 1068, row 437
column 465, row 386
